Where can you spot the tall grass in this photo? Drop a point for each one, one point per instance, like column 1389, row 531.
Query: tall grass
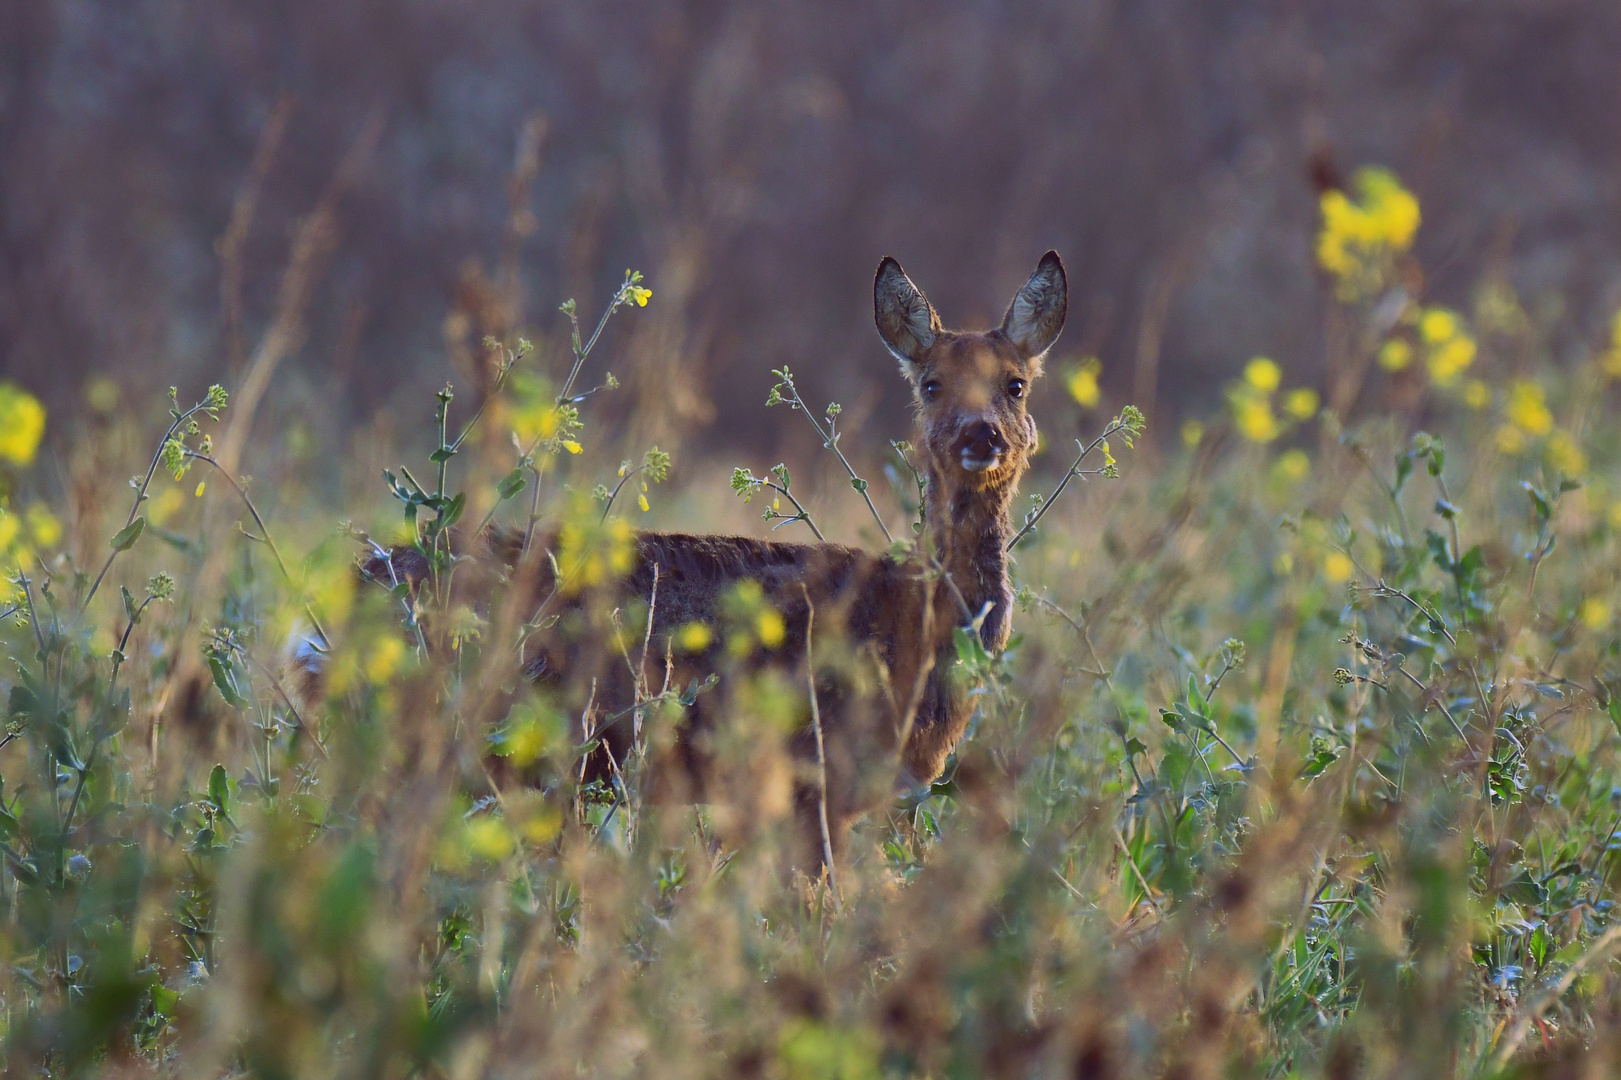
column 1303, row 760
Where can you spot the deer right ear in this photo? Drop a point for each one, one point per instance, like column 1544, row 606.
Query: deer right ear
column 906, row 321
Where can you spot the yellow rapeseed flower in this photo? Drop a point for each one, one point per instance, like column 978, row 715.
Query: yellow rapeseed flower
column 1438, row 325
column 1300, row 403
column 768, row 625
column 1359, row 238
column 43, row 526
column 488, row 838
column 1395, row 354
column 10, row 528
column 1476, row 394
column 1263, row 374
column 541, row 824
column 694, row 637
column 1595, row 613
column 1527, row 408
column 592, row 552
column 1450, row 359
column 1083, row 383
column 1610, row 361
column 1253, row 416
column 1338, row 567
column 22, row 424
column 1563, row 454
column 1292, row 466
column 384, row 658
column 1192, row 433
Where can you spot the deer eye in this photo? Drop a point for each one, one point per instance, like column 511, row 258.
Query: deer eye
column 1015, row 388
column 931, row 389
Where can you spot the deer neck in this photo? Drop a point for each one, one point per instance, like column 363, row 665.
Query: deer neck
column 969, row 529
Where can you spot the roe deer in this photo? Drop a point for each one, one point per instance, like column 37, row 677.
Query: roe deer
column 890, row 703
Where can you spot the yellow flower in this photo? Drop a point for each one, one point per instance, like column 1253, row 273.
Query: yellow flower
column 591, row 552
column 1565, row 455
column 1595, row 613
column 1338, row 567
column 1449, row 360
column 1438, row 325
column 384, row 659
column 1083, row 383
column 1476, row 394
column 489, row 838
column 1395, row 354
column 641, row 501
column 1392, row 209
column 163, row 507
column 10, row 527
column 22, row 424
column 1254, row 418
column 1192, row 433
column 1358, row 238
column 571, row 446
column 1263, row 374
column 543, row 823
column 1610, row 362
column 1509, row 439
column 1292, row 466
column 1527, row 408
column 694, row 637
column 202, row 485
column 768, row 625
column 43, row 526
column 640, row 295
column 1300, row 403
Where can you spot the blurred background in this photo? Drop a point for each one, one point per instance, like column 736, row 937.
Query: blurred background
column 461, row 168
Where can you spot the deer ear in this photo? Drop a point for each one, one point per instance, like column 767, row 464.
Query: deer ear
column 906, row 321
column 1036, row 317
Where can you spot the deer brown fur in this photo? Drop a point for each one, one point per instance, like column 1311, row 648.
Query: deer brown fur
column 890, row 698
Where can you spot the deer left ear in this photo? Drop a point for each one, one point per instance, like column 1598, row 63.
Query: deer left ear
column 1036, row 317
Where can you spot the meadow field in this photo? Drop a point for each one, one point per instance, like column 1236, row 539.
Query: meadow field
column 1304, row 760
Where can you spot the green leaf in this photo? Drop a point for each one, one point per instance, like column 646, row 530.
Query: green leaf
column 453, row 512
column 511, row 484
column 126, row 537
column 1539, row 944
column 219, row 790
column 970, row 649
column 223, row 680
column 1539, row 501
column 129, row 603
column 1615, row 713
column 1404, row 469
column 1472, row 562
column 1319, row 762
column 444, row 453
column 1197, row 700
column 164, row 1000
column 858, row 483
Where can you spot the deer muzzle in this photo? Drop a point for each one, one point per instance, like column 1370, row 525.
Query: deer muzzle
column 980, row 446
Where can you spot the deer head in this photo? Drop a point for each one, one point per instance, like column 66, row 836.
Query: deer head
column 970, row 388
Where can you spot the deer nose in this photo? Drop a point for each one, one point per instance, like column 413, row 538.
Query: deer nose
column 980, row 446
